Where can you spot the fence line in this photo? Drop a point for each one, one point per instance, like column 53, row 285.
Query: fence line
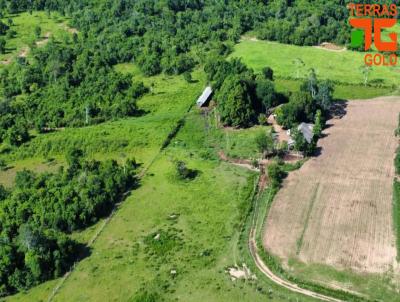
column 108, row 219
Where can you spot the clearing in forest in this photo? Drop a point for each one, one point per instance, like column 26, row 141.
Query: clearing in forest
column 294, row 62
column 337, row 209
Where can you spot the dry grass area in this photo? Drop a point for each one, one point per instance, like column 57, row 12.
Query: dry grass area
column 337, row 209
column 331, row 47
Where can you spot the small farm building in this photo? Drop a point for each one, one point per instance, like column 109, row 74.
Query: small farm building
column 307, row 131
column 205, row 97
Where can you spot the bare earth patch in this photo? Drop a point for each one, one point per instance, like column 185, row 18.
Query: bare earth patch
column 238, row 272
column 331, row 47
column 337, row 209
column 44, row 40
column 69, row 29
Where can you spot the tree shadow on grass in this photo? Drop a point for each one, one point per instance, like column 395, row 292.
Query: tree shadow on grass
column 82, row 251
column 9, row 50
column 140, row 112
column 7, row 168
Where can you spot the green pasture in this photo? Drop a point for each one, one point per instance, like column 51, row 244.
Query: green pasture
column 342, row 92
column 294, row 62
column 199, row 222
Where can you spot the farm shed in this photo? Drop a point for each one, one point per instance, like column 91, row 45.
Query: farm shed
column 307, row 131
column 205, row 97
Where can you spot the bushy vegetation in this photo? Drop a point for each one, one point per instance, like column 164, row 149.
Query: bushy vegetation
column 38, row 213
column 265, row 143
column 183, row 172
column 71, row 82
column 244, row 99
column 310, row 105
column 63, row 86
column 276, row 174
column 241, row 94
column 314, row 96
column 298, row 22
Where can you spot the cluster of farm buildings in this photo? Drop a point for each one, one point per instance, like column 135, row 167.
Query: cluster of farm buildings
column 306, row 129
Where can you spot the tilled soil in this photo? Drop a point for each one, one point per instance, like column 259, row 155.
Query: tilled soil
column 337, row 209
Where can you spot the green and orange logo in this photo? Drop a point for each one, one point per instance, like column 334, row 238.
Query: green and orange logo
column 369, row 20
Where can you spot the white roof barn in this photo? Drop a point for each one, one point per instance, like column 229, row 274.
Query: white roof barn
column 307, row 131
column 205, row 97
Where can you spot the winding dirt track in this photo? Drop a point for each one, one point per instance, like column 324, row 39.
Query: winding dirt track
column 290, row 286
column 274, row 278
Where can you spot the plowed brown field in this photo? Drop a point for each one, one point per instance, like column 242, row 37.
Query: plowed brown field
column 337, row 209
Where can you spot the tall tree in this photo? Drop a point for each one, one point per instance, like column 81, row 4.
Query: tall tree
column 234, row 102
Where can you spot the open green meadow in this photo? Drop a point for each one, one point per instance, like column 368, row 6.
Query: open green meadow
column 24, row 25
column 198, row 221
column 342, row 92
column 343, row 67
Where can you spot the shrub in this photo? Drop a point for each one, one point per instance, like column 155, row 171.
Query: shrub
column 265, row 143
column 184, row 172
column 187, row 76
column 275, row 174
column 146, row 297
column 3, row 165
column 37, row 233
column 397, row 162
column 262, row 119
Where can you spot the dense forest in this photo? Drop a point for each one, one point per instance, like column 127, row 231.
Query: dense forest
column 41, row 209
column 73, row 83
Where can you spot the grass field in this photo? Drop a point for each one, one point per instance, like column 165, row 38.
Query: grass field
column 396, row 214
column 24, row 25
column 198, row 221
column 121, row 264
column 342, row 92
column 201, row 238
column 342, row 67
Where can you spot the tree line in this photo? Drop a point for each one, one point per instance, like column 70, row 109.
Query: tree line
column 39, row 212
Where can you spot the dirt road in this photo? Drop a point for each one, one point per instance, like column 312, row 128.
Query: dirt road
column 270, row 275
